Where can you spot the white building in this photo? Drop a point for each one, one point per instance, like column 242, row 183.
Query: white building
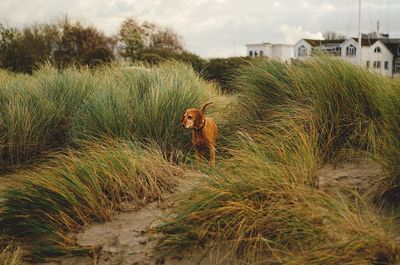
column 279, row 52
column 379, row 55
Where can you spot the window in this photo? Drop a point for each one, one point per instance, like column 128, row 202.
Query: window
column 397, row 67
column 398, row 51
column 250, row 53
column 255, row 54
column 261, row 53
column 377, row 64
column 368, row 64
column 386, row 65
column 302, row 50
column 351, row 50
column 378, row 50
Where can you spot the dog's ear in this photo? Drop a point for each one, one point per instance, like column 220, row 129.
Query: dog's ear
column 199, row 120
column 183, row 117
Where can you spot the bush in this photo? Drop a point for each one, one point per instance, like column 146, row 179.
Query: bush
column 37, row 111
column 156, row 56
column 51, row 110
column 9, row 253
column 261, row 207
column 224, row 70
column 143, row 103
column 347, row 104
column 77, row 188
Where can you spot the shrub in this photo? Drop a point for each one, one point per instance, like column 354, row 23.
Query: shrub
column 347, row 104
column 144, row 103
column 77, row 188
column 51, row 110
column 10, row 254
column 224, row 70
column 262, row 208
column 37, row 111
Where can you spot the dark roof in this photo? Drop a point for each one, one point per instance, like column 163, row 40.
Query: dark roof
column 390, row 41
column 315, row 43
column 392, row 44
column 366, row 42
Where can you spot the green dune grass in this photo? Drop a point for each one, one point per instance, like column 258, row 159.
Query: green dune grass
column 77, row 188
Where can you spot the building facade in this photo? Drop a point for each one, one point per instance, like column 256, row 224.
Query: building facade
column 379, row 55
column 279, row 52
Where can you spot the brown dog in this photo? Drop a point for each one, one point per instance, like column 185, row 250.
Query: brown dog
column 204, row 135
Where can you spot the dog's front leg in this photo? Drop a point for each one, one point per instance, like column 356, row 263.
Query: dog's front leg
column 198, row 155
column 212, row 156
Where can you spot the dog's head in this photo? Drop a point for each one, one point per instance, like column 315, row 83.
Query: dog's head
column 192, row 119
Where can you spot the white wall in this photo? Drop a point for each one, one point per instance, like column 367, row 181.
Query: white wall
column 296, row 49
column 279, row 52
column 350, row 59
column 369, row 54
column 264, row 47
column 282, row 52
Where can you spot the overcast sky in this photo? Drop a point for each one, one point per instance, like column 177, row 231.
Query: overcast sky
column 213, row 28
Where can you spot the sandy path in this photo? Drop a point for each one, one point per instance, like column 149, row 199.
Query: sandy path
column 130, row 238
column 356, row 176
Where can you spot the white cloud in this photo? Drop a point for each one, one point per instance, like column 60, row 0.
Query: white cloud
column 216, row 27
column 293, row 34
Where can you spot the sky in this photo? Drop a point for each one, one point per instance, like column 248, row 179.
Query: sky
column 217, row 28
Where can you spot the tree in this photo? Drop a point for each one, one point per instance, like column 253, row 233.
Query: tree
column 82, row 45
column 36, row 44
column 166, row 39
column 137, row 39
column 333, row 35
column 131, row 35
column 62, row 43
column 8, row 46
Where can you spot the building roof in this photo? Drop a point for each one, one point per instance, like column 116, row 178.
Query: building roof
column 268, row 43
column 366, row 41
column 315, row 43
column 392, row 44
column 390, row 41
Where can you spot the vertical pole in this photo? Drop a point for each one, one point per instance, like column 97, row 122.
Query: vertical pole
column 359, row 34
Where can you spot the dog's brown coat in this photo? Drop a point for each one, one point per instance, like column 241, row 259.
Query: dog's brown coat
column 204, row 134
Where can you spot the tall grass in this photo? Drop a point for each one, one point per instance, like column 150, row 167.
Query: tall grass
column 263, row 207
column 77, row 188
column 262, row 204
column 51, row 110
column 144, row 103
column 388, row 151
column 9, row 253
column 353, row 110
column 36, row 111
column 348, row 104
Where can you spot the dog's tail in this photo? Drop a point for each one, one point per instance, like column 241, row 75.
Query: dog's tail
column 204, row 107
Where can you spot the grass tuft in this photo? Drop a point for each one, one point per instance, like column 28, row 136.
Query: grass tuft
column 77, row 188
